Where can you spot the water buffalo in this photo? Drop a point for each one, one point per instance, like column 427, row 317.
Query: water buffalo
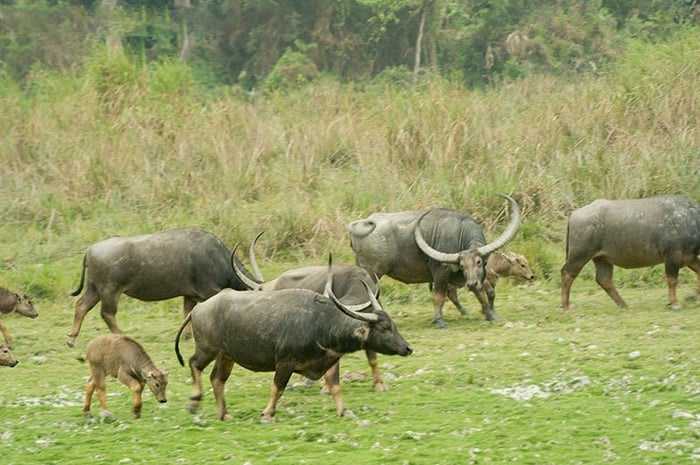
column 6, row 357
column 190, row 263
column 632, row 234
column 347, row 287
column 123, row 358
column 286, row 331
column 453, row 255
column 14, row 302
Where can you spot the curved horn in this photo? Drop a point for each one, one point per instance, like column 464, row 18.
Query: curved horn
column 241, row 274
column 328, row 292
column 510, row 231
column 253, row 263
column 436, row 255
column 375, row 302
column 373, row 298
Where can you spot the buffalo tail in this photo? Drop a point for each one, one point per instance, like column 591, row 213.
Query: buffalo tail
column 177, row 339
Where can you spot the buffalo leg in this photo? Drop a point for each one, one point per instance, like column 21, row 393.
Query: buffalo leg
column 109, row 312
column 377, row 382
column 695, row 266
column 95, row 383
column 672, row 281
column 332, row 379
column 6, row 335
column 197, row 363
column 452, row 295
column 86, row 302
column 89, row 390
column 282, row 374
column 483, row 297
column 219, row 375
column 136, row 388
column 569, row 272
column 439, row 297
column 604, row 278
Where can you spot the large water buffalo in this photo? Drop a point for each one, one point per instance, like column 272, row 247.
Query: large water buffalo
column 347, row 287
column 190, row 263
column 632, row 234
column 444, row 247
column 286, row 331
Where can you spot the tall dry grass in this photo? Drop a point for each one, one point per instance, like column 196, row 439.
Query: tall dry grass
column 121, row 150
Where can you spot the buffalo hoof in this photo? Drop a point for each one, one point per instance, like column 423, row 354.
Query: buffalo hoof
column 439, row 323
column 267, row 420
column 192, row 408
column 491, row 316
column 348, row 413
column 107, row 417
column 379, row 387
column 88, row 415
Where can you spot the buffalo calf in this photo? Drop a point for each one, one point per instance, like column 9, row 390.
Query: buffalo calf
column 123, row 358
column 14, row 302
column 6, row 357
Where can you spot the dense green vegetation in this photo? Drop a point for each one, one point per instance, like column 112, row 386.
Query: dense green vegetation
column 273, row 44
column 110, row 144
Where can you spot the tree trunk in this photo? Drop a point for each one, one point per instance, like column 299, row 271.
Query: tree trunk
column 112, row 39
column 419, row 40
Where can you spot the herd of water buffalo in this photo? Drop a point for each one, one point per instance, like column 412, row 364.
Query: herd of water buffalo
column 304, row 320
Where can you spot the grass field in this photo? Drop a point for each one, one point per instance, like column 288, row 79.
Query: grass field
column 599, row 385
column 115, row 149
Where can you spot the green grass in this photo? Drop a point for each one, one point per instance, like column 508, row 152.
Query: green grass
column 83, row 161
column 599, row 385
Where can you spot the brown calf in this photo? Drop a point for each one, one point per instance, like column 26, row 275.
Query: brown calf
column 502, row 265
column 499, row 265
column 14, row 302
column 6, row 357
column 123, row 358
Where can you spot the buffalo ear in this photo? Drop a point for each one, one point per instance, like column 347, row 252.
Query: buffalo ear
column 362, row 332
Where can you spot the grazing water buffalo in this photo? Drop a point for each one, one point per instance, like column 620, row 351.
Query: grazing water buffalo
column 14, row 302
column 181, row 262
column 123, row 358
column 453, row 255
column 6, row 357
column 286, row 331
column 347, row 286
column 632, row 234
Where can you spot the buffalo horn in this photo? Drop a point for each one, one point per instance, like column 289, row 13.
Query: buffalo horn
column 328, row 292
column 484, row 250
column 253, row 262
column 436, row 255
column 241, row 274
column 508, row 234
